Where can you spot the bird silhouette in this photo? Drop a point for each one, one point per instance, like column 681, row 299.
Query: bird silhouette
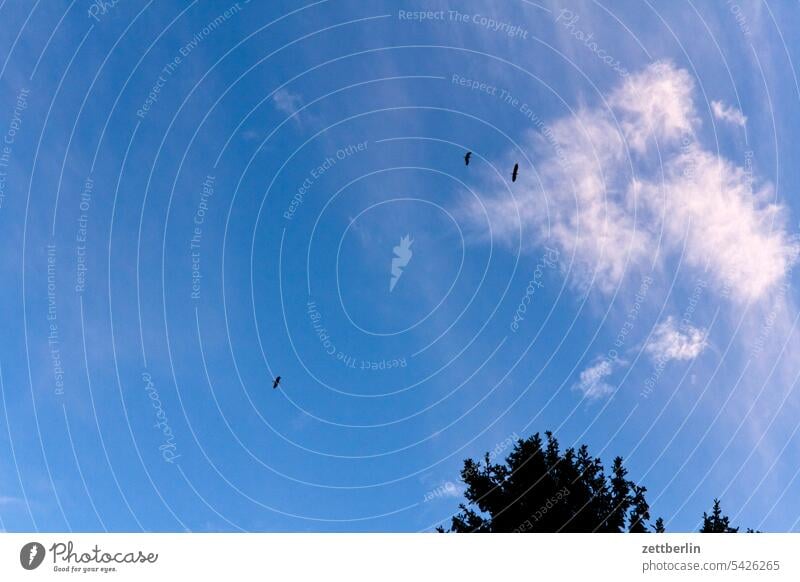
column 276, row 382
column 466, row 158
column 514, row 173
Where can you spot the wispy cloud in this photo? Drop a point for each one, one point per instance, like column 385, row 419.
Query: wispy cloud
column 614, row 208
column 287, row 102
column 728, row 113
column 250, row 134
column 655, row 105
column 592, row 381
column 670, row 343
column 443, row 490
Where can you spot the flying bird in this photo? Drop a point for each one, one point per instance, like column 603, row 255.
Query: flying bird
column 514, row 173
column 466, row 158
column 276, row 382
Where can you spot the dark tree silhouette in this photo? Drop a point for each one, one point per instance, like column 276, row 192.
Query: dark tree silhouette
column 717, row 522
column 541, row 489
column 640, row 512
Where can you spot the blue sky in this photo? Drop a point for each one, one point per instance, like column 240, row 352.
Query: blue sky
column 201, row 196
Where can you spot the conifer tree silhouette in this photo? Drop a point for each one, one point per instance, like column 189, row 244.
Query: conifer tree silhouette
column 640, row 513
column 541, row 489
column 717, row 522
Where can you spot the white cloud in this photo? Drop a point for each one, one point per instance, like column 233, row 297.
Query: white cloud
column 446, row 490
column 670, row 343
column 728, row 113
column 580, row 212
column 591, row 381
column 622, row 186
column 450, row 489
column 287, row 102
column 655, row 104
column 710, row 203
